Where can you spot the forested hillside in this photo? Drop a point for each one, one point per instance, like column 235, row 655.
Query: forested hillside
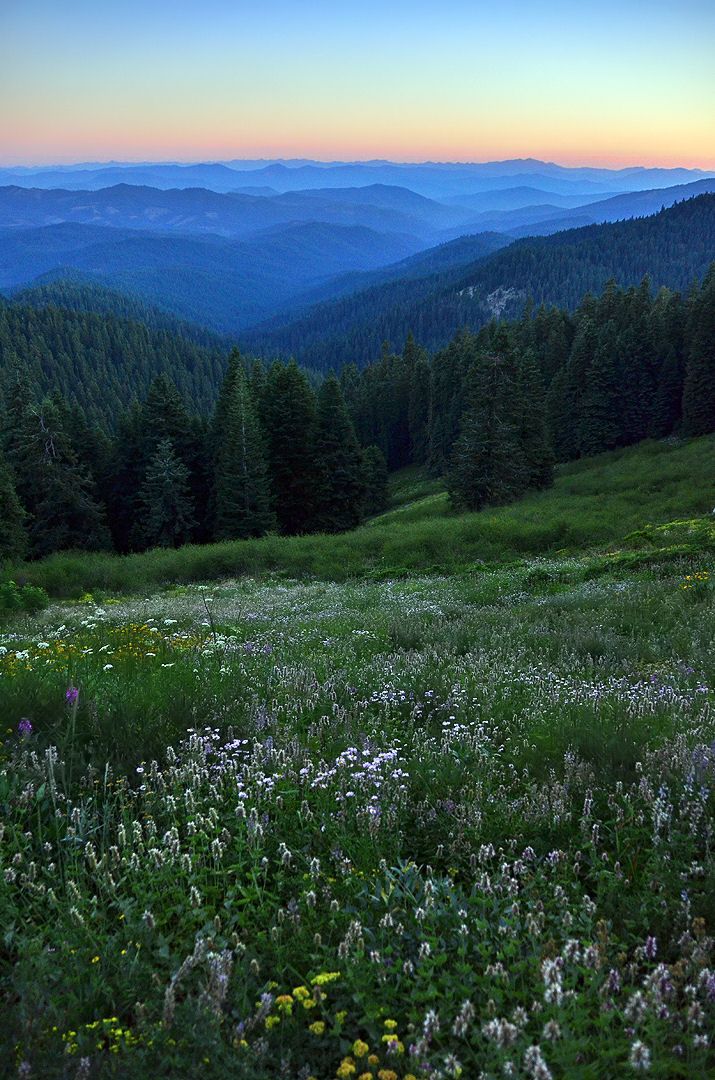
column 673, row 247
column 491, row 413
column 101, row 362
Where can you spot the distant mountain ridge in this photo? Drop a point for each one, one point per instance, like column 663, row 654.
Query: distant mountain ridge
column 214, row 281
column 673, row 246
column 434, row 179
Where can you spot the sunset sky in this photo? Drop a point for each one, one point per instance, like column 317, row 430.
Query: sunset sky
column 617, row 82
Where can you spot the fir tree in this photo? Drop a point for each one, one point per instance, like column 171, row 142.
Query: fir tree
column 486, row 466
column 598, row 427
column 242, row 493
column 13, row 536
column 164, row 501
column 532, row 431
column 289, row 410
column 340, row 489
column 375, row 481
column 699, row 388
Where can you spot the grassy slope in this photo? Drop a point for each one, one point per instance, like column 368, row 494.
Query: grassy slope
column 594, row 502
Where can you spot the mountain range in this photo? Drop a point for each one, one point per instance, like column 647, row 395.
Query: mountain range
column 249, row 249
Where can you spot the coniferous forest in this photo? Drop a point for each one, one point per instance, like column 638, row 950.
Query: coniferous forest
column 206, row 451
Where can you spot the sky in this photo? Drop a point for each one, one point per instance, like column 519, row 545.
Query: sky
column 613, row 83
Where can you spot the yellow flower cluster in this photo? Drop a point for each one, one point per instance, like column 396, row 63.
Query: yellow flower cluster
column 691, row 581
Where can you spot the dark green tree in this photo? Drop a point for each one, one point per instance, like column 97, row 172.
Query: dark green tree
column 13, row 536
column 164, row 501
column 340, row 489
column 699, row 388
column 55, row 489
column 598, row 427
column 487, row 468
column 289, row 411
column 531, row 428
column 375, row 481
column 241, row 484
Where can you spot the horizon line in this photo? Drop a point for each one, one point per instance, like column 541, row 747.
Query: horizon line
column 373, row 161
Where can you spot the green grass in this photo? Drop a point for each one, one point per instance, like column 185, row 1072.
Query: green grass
column 594, row 502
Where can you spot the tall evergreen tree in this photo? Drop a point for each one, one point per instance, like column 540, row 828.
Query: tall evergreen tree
column 699, row 388
column 534, row 445
column 375, row 481
column 55, row 489
column 486, row 464
column 289, row 410
column 598, row 427
column 242, row 493
column 13, row 536
column 164, row 500
column 340, row 489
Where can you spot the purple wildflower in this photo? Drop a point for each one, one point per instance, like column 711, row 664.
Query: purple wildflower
column 71, row 695
column 24, row 728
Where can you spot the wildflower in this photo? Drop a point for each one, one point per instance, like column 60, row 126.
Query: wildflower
column 640, row 1056
column 360, row 1048
column 24, row 728
column 95, row 959
column 346, row 1069
column 317, row 1027
column 390, row 1025
column 272, row 1021
column 325, row 977
column 107, row 667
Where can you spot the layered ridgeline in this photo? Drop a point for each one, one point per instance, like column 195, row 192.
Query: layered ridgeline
column 492, row 413
column 673, row 247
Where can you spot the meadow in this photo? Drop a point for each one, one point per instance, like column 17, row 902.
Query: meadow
column 419, row 827
column 593, row 503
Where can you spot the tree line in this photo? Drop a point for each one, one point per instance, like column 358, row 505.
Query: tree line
column 492, row 412
column 273, row 456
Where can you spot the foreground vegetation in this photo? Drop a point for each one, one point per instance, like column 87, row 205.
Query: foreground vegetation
column 425, row 828
column 594, row 502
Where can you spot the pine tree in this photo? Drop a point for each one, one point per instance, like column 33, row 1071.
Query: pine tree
column 289, row 411
column 532, row 430
column 340, row 489
column 487, row 468
column 598, row 427
column 375, row 481
column 699, row 388
column 54, row 488
column 13, row 536
column 241, row 486
column 164, row 501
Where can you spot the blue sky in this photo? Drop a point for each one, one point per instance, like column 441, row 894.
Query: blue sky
column 612, row 83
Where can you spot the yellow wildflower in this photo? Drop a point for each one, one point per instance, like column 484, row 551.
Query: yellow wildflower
column 325, row 977
column 317, row 1028
column 301, row 993
column 346, row 1069
column 391, row 1025
column 271, row 1022
column 387, row 1074
column 360, row 1048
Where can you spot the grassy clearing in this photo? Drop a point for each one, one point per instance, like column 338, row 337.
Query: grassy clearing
column 593, row 503
column 434, row 827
